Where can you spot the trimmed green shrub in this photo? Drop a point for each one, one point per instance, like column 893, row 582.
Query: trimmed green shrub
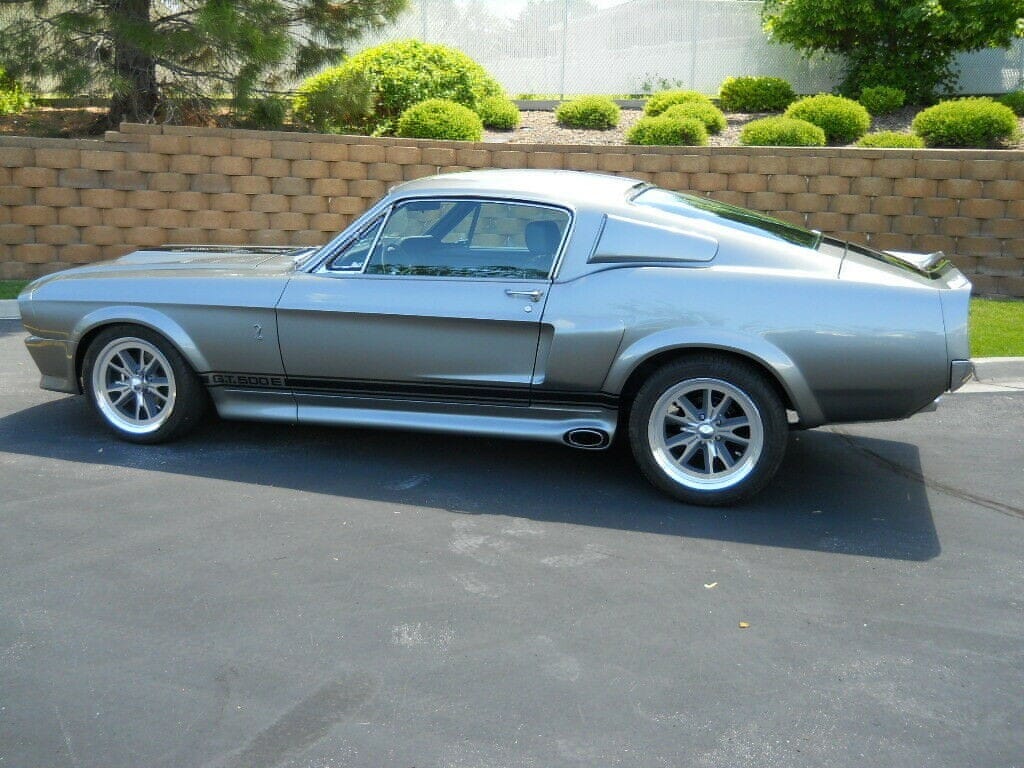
column 661, row 101
column 336, row 100
column 440, row 119
column 405, row 72
column 976, row 122
column 755, row 94
column 843, row 120
column 266, row 114
column 588, row 112
column 891, row 139
column 881, row 99
column 499, row 113
column 782, row 132
column 668, row 130
column 13, row 98
column 709, row 114
column 1014, row 100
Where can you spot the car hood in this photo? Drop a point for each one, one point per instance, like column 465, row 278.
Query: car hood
column 215, row 256
column 181, row 260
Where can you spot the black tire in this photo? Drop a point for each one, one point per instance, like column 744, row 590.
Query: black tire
column 745, row 393
column 183, row 403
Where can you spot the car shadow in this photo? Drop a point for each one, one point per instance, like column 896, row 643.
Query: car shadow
column 830, row 495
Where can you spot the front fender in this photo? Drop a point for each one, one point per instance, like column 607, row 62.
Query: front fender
column 55, row 334
column 754, row 348
column 151, row 318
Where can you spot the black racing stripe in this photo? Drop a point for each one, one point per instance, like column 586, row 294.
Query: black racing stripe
column 573, row 397
column 409, row 389
column 406, row 390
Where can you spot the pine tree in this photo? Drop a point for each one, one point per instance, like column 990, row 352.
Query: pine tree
column 157, row 57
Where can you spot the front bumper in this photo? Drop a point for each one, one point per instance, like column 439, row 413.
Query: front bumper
column 960, row 372
column 56, row 362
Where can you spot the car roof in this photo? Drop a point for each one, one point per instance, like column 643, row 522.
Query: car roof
column 569, row 187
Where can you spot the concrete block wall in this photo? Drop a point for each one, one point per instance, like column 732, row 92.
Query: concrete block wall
column 67, row 202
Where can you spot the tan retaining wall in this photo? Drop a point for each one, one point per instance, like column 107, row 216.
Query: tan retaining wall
column 68, row 202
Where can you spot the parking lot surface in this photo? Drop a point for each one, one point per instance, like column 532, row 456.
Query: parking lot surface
column 259, row 596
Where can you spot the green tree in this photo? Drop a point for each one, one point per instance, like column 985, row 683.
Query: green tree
column 154, row 56
column 907, row 44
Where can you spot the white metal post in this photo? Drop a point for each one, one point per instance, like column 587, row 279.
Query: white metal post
column 565, row 43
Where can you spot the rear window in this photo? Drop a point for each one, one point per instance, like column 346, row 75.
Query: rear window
column 693, row 206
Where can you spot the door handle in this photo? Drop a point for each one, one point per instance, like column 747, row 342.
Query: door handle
column 533, row 296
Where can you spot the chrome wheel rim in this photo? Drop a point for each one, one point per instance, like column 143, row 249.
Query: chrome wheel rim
column 706, row 434
column 134, row 385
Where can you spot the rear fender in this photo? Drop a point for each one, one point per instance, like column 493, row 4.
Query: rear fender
column 753, row 348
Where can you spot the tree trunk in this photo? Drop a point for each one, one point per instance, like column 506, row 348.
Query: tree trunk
column 137, row 97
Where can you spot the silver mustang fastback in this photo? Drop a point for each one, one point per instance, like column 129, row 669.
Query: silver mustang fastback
column 546, row 305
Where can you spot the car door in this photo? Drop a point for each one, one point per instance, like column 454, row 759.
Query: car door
column 436, row 300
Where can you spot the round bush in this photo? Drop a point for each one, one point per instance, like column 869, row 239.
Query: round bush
column 335, row 100
column 667, row 130
column 881, row 100
column 440, row 119
column 755, row 94
column 782, row 132
column 978, row 122
column 662, row 100
column 406, row 72
column 499, row 113
column 1014, row 100
column 588, row 112
column 891, row 139
column 843, row 120
column 709, row 114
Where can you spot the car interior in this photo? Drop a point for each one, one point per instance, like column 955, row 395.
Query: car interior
column 469, row 239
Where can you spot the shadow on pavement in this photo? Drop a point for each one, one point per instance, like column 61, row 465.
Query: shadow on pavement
column 827, row 497
column 9, row 327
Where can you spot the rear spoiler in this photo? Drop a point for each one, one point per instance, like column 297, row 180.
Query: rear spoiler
column 926, row 262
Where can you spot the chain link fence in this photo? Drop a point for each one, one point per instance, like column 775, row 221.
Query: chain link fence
column 556, row 47
column 551, row 48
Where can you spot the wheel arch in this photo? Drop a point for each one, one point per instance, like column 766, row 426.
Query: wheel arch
column 644, row 357
column 96, row 322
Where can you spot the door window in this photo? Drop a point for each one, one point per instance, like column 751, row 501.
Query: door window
column 469, row 238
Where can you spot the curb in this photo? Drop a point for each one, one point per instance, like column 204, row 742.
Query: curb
column 990, row 369
column 9, row 310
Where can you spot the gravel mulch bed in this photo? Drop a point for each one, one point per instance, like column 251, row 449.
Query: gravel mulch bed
column 541, row 128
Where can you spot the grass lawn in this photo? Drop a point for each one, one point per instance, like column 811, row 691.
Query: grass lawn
column 997, row 327
column 9, row 289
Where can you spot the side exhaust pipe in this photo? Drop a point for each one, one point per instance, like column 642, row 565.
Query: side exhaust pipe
column 587, row 439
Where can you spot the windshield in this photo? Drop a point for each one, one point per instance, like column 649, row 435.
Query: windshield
column 704, row 208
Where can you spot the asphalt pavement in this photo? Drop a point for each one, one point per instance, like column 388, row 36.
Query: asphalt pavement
column 258, row 596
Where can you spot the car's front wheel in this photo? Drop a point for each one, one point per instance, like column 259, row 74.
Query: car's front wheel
column 140, row 385
column 708, row 430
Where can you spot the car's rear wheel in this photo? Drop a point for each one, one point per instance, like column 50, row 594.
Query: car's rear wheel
column 708, row 430
column 140, row 386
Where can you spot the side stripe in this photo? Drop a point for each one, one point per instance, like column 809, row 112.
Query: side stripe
column 405, row 390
